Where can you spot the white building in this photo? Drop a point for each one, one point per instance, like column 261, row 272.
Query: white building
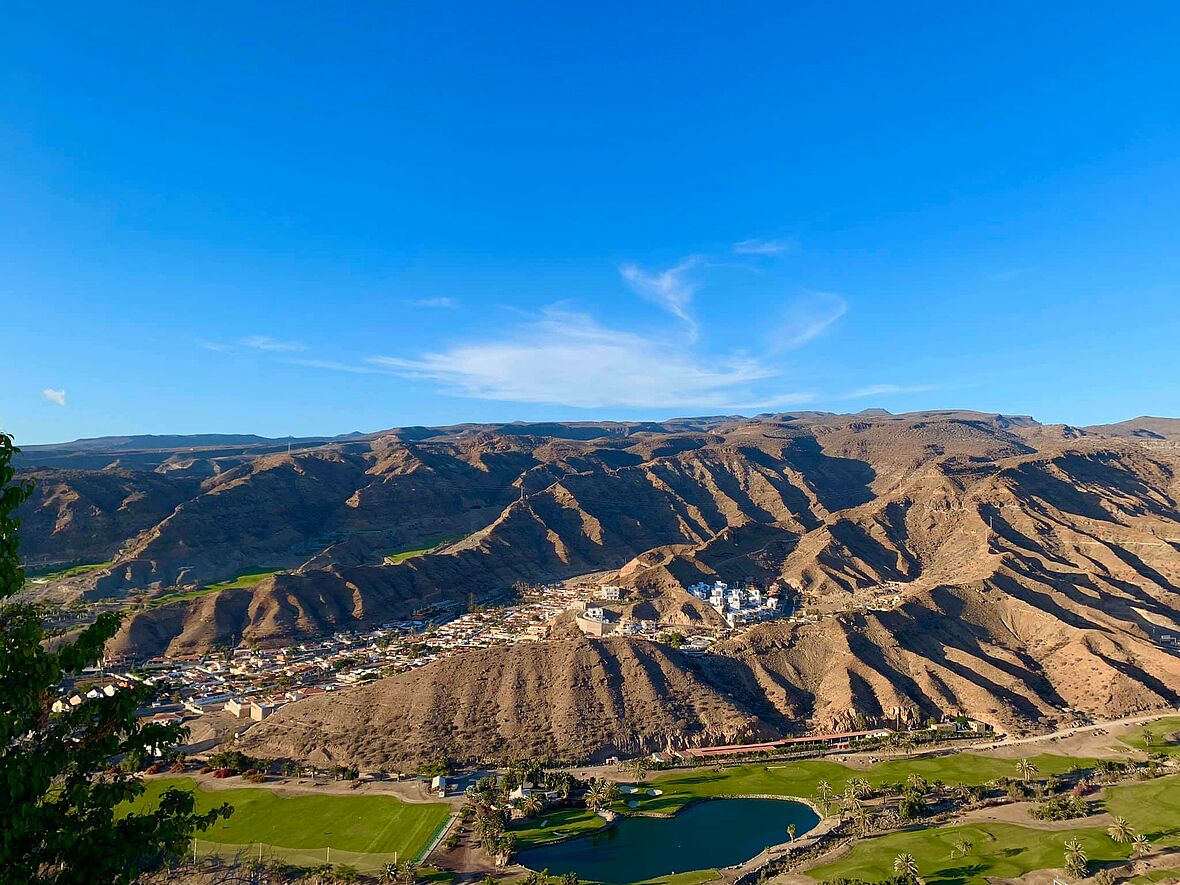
column 610, row 593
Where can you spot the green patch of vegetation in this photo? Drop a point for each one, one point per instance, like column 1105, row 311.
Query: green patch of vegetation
column 245, row 579
column 368, row 824
column 696, row 877
column 48, row 577
column 238, row 582
column 435, row 875
column 1007, row 850
column 1158, row 737
column 1153, row 876
column 1151, row 807
column 401, row 554
column 556, row 825
column 1004, row 850
column 802, row 779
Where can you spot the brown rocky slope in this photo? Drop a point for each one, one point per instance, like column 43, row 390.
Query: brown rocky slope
column 1037, row 566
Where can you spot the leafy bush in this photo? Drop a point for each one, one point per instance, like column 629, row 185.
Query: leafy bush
column 1061, row 808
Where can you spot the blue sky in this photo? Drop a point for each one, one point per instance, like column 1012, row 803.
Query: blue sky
column 320, row 218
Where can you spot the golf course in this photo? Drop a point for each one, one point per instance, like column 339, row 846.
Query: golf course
column 801, row 779
column 1151, row 808
column 366, row 824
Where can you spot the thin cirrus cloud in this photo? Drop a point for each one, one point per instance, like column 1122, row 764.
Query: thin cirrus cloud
column 443, row 302
column 569, row 359
column 54, row 396
column 761, row 247
column 265, row 342
column 672, row 289
column 806, row 318
column 884, row 390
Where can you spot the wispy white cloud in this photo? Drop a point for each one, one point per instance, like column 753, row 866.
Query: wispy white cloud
column 216, row 346
column 337, row 366
column 54, row 396
column 434, row 302
column 265, row 342
column 884, row 390
column 566, row 358
column 672, row 289
column 808, row 317
column 761, row 247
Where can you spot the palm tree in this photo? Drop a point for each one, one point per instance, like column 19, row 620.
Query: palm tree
column 862, row 820
column 1121, row 831
column 916, row 781
column 601, row 794
column 639, row 765
column 1076, row 863
column 962, row 848
column 791, row 831
column 1140, row 845
column 1027, row 769
column 825, row 791
column 861, row 788
column 905, row 865
column 532, row 805
column 563, row 782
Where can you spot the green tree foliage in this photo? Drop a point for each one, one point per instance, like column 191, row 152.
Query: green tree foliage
column 59, row 785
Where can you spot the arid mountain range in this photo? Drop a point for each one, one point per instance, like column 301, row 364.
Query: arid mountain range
column 1037, row 568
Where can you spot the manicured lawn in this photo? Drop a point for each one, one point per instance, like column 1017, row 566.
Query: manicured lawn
column 1152, row 808
column 1005, row 850
column 557, row 824
column 371, row 824
column 696, row 877
column 802, row 779
column 244, row 580
column 393, row 557
column 1009, row 850
column 1161, row 733
column 71, row 572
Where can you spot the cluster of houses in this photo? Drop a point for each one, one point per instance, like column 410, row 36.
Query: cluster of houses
column 252, row 683
column 740, row 604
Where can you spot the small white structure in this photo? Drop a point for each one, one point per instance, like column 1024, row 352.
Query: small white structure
column 595, row 613
column 258, row 711
column 610, row 593
column 237, row 707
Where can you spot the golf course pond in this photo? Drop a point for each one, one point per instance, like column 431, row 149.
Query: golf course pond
column 706, row 835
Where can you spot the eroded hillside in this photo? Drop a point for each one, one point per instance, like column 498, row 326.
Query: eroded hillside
column 1036, row 566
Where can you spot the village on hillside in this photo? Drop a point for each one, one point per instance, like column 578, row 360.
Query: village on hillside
column 248, row 683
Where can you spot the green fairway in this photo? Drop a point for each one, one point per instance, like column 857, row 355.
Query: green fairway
column 393, row 557
column 556, row 825
column 802, row 779
column 1157, row 737
column 369, row 824
column 1152, row 807
column 1008, row 850
column 71, row 572
column 1005, row 850
column 241, row 581
column 697, row 877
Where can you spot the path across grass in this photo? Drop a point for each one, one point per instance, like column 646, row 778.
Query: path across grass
column 364, row 823
column 1160, row 737
column 1009, row 850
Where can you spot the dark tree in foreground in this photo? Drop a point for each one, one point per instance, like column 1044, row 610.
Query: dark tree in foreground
column 60, row 790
